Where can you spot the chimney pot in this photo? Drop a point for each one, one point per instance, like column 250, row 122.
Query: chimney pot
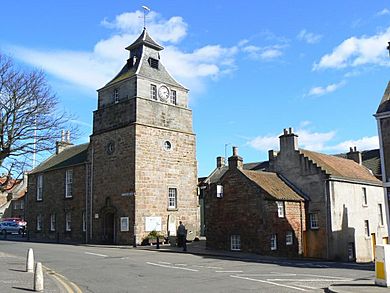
column 220, row 162
column 235, row 151
column 285, row 131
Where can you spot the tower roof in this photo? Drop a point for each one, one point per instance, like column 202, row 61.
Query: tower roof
column 384, row 106
column 145, row 39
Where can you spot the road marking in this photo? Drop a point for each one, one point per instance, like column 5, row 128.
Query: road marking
column 165, row 263
column 308, row 287
column 215, row 268
column 228, row 271
column 272, row 283
column 171, row 267
column 323, row 276
column 97, row 254
column 309, row 280
column 181, row 264
column 69, row 286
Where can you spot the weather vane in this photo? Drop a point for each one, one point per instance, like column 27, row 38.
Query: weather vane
column 146, row 11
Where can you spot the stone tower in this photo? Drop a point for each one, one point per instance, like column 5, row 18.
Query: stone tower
column 383, row 121
column 143, row 169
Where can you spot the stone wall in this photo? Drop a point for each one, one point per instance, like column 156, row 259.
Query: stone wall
column 54, row 202
column 244, row 211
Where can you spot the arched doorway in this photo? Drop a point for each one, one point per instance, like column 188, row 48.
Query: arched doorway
column 109, row 223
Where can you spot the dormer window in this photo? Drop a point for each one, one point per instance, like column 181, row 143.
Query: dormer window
column 153, row 63
column 116, row 96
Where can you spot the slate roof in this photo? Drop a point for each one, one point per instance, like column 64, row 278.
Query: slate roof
column 384, row 106
column 70, row 156
column 274, row 186
column 142, row 66
column 340, row 167
column 145, row 39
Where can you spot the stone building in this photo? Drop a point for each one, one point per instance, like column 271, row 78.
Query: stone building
column 345, row 213
column 383, row 123
column 253, row 211
column 139, row 171
column 345, row 209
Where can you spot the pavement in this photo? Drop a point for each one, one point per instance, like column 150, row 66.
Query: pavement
column 13, row 277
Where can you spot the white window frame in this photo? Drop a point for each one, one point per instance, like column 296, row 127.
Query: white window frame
column 365, row 201
column 153, row 92
column 219, row 191
column 380, row 215
column 39, row 222
column 52, row 222
column 68, row 221
column 280, row 205
column 366, row 228
column 172, row 198
column 289, row 238
column 124, row 224
column 313, row 221
column 274, row 242
column 116, row 96
column 235, row 242
column 68, row 183
column 39, row 187
column 173, row 98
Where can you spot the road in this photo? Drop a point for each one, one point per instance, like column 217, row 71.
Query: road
column 115, row 269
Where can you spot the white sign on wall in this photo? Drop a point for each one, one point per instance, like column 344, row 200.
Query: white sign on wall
column 152, row 223
column 124, row 224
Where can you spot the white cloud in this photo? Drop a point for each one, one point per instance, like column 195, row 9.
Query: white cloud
column 92, row 69
column 315, row 141
column 308, row 37
column 319, row 90
column 356, row 51
column 263, row 53
column 384, row 11
column 364, row 143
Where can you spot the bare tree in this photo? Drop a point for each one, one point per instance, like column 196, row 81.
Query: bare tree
column 29, row 119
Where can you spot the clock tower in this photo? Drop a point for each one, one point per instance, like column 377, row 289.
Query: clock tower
column 143, row 169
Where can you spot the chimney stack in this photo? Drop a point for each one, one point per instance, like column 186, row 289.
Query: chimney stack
column 355, row 155
column 220, row 162
column 235, row 161
column 288, row 140
column 64, row 143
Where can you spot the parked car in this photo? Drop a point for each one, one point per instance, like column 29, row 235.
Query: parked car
column 17, row 220
column 11, row 227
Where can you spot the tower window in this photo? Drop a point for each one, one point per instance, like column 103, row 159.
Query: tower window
column 116, row 96
column 173, row 97
column 153, row 63
column 153, row 92
column 172, row 198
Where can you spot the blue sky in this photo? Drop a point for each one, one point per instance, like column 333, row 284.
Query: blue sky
column 252, row 67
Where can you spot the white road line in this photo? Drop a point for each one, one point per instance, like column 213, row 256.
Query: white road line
column 171, row 267
column 180, row 264
column 228, row 271
column 215, row 268
column 97, row 254
column 165, row 263
column 308, row 287
column 309, row 280
column 272, row 283
column 322, row 276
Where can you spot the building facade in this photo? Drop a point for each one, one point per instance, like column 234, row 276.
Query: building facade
column 252, row 211
column 140, row 171
column 344, row 212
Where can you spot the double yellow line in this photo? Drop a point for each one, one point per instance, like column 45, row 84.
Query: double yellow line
column 69, row 286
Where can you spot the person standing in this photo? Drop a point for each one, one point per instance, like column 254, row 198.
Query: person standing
column 181, row 236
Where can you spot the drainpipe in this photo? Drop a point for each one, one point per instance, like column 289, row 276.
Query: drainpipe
column 90, row 195
column 327, row 197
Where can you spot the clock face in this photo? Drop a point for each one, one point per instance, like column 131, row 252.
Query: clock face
column 163, row 93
